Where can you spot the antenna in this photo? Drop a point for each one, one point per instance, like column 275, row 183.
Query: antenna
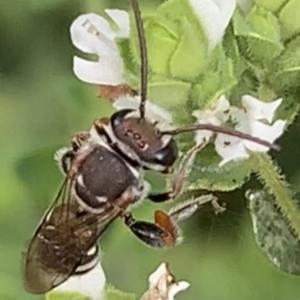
column 143, row 54
column 224, row 130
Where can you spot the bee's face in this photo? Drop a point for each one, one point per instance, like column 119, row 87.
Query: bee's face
column 143, row 139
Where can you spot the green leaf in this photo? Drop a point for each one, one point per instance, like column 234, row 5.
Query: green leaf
column 232, row 51
column 273, row 233
column 289, row 19
column 66, row 296
column 217, row 81
column 263, row 38
column 206, row 174
column 240, row 25
column 110, row 294
column 114, row 294
column 131, row 71
column 161, row 43
column 168, row 93
column 289, row 108
column 285, row 71
column 248, row 82
column 271, row 5
column 190, row 57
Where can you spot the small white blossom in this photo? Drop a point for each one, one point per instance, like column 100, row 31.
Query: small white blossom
column 90, row 284
column 163, row 286
column 153, row 112
column 254, row 118
column 215, row 115
column 230, row 148
column 260, row 110
column 214, row 16
column 93, row 34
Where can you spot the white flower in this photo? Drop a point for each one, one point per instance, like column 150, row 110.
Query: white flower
column 259, row 110
column 247, row 119
column 90, row 284
column 162, row 285
column 93, row 34
column 214, row 16
column 233, row 148
column 230, row 148
column 153, row 112
column 216, row 115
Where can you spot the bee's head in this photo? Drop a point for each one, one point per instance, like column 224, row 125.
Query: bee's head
column 141, row 140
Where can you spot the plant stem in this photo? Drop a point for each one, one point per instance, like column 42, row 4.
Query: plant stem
column 270, row 175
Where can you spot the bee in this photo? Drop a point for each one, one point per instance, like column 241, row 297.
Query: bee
column 104, row 180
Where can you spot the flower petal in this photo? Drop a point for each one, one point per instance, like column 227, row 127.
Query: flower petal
column 204, row 117
column 217, row 115
column 259, row 110
column 215, row 16
column 121, row 18
column 107, row 71
column 238, row 115
column 91, row 33
column 202, row 136
column 230, row 148
column 222, row 109
column 159, row 273
column 226, row 9
column 176, row 288
column 90, row 284
column 266, row 132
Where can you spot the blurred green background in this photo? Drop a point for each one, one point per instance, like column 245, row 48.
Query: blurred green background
column 41, row 105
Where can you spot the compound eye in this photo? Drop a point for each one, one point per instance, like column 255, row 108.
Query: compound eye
column 118, row 118
column 167, row 155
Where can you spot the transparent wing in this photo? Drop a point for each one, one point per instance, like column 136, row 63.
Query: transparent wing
column 62, row 241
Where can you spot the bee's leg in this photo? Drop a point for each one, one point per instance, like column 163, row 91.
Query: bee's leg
column 185, row 209
column 181, row 175
column 164, row 232
column 79, row 139
column 64, row 156
column 99, row 128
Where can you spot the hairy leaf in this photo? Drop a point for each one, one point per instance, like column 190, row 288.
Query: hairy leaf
column 206, row 174
column 66, row 296
column 273, row 233
column 113, row 294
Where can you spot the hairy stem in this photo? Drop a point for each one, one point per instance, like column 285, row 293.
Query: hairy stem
column 269, row 174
